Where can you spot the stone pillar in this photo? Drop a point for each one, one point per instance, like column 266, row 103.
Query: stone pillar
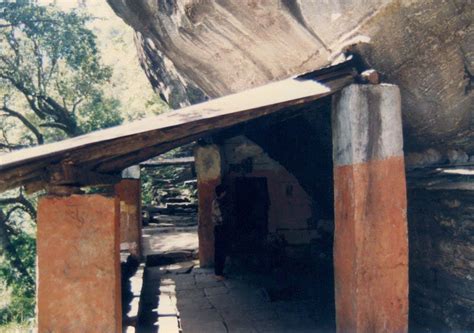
column 78, row 264
column 208, row 163
column 129, row 193
column 370, row 241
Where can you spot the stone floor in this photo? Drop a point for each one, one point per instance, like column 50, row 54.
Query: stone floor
column 181, row 297
column 184, row 298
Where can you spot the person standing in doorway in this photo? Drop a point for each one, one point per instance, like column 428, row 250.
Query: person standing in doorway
column 220, row 218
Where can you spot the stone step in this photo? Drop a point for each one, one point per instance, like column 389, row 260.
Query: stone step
column 191, row 183
column 169, row 226
column 177, row 199
column 181, row 211
column 181, row 205
column 171, row 229
column 190, row 219
column 158, row 181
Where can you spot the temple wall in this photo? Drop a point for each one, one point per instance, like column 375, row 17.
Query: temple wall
column 290, row 207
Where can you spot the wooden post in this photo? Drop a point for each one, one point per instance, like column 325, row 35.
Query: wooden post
column 208, row 162
column 78, row 264
column 371, row 243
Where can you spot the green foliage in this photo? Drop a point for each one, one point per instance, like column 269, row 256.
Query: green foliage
column 150, row 189
column 50, row 59
column 100, row 112
column 18, row 255
column 22, row 291
column 147, row 187
column 153, row 107
column 14, row 327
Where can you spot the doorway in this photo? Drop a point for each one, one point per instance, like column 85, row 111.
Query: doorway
column 251, row 217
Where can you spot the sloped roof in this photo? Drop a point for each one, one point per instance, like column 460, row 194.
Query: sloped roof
column 111, row 150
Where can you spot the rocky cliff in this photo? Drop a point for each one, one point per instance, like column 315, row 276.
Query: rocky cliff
column 191, row 49
column 194, row 49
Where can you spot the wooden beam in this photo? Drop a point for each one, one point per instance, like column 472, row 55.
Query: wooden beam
column 65, row 174
column 160, row 162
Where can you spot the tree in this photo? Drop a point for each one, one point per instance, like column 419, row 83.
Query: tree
column 51, row 87
column 50, row 59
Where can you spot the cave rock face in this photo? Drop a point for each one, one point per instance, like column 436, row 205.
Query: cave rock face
column 194, row 49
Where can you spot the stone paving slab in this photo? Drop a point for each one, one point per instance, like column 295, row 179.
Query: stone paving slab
column 263, row 315
column 193, row 303
column 270, row 326
column 240, row 326
column 219, row 290
column 204, row 327
column 235, row 315
column 190, row 293
column 168, row 324
column 236, row 284
column 166, row 306
column 198, row 317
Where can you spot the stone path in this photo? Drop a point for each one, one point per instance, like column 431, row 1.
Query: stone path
column 157, row 241
column 191, row 300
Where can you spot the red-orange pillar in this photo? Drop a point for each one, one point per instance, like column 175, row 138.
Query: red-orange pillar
column 78, row 264
column 208, row 163
column 370, row 241
column 129, row 193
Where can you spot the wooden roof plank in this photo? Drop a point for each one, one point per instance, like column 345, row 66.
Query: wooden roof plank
column 113, row 149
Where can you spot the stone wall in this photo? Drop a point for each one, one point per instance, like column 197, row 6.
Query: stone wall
column 441, row 232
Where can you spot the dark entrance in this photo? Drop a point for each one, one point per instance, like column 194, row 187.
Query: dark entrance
column 251, row 212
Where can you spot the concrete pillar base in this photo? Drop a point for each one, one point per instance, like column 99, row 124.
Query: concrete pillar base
column 78, row 264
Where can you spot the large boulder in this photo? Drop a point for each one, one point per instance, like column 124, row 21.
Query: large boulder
column 193, row 49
